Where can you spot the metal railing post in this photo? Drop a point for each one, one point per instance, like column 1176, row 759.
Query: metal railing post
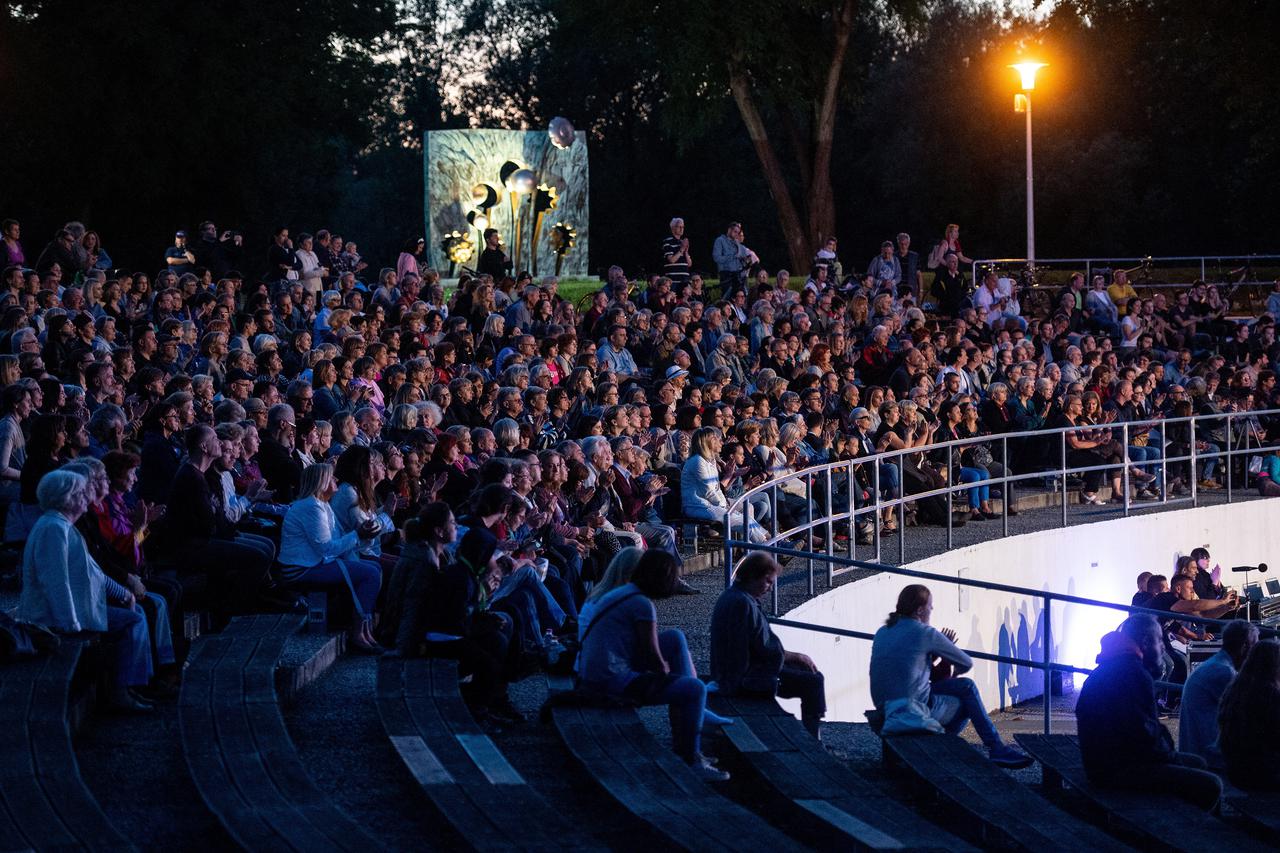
column 902, row 514
column 1063, row 474
column 1006, row 491
column 808, row 530
column 1048, row 660
column 950, row 493
column 773, row 511
column 1124, row 472
column 877, row 509
column 1228, row 460
column 1195, row 484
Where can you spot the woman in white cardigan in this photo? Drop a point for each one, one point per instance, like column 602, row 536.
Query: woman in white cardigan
column 65, row 590
column 702, row 489
column 313, row 550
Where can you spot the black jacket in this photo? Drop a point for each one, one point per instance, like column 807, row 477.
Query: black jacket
column 1118, row 724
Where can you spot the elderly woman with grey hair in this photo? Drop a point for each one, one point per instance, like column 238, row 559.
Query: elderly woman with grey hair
column 65, row 590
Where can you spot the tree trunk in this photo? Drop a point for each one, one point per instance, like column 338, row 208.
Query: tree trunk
column 803, row 236
column 821, row 195
column 798, row 249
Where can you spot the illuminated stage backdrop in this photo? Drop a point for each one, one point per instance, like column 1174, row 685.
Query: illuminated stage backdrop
column 457, row 164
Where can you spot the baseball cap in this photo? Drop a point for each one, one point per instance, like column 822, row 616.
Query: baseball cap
column 860, row 412
column 238, row 375
column 180, row 234
column 675, row 371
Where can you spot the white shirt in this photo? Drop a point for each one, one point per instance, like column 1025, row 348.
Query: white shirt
column 311, row 536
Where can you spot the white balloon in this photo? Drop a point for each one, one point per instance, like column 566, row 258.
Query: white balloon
column 561, row 132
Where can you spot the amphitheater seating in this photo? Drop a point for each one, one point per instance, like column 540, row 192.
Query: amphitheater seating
column 998, row 809
column 841, row 809
column 239, row 752
column 1259, row 812
column 1143, row 816
column 482, row 796
column 44, row 803
column 648, row 780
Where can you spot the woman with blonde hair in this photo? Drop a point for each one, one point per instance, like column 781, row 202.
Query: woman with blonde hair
column 702, row 485
column 314, row 553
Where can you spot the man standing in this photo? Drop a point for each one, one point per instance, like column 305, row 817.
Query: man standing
column 912, row 281
column 493, row 261
column 732, row 260
column 675, row 254
column 1122, row 741
column 747, row 656
column 178, row 258
column 949, row 287
column 1201, row 695
column 884, row 269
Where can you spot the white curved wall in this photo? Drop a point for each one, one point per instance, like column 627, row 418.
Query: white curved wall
column 1099, row 561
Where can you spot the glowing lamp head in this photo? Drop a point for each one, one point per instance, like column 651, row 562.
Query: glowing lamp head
column 1027, row 71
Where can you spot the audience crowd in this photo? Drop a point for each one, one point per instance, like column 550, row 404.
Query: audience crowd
column 468, row 470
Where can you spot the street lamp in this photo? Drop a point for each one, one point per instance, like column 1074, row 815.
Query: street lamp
column 1022, row 103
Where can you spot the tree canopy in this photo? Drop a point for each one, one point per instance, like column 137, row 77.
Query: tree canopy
column 1155, row 124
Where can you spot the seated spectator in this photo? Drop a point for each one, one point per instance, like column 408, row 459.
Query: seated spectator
column 459, row 626
column 401, row 624
column 64, row 589
column 1122, row 741
column 625, row 656
column 914, row 662
column 748, row 657
column 1249, row 718
column 314, row 551
column 1203, row 692
column 702, row 487
column 1142, row 596
column 199, row 541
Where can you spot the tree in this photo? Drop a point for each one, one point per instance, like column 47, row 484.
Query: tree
column 787, row 69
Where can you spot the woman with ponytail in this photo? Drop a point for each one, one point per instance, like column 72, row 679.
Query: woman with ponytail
column 914, row 683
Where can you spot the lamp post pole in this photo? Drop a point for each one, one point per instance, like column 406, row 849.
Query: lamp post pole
column 1031, row 200
column 1027, row 72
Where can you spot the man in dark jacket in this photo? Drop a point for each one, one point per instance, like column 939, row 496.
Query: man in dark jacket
column 1122, row 741
column 279, row 467
column 747, row 657
column 195, row 534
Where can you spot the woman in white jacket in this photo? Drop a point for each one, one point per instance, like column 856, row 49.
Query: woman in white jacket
column 64, row 589
column 314, row 550
column 702, row 490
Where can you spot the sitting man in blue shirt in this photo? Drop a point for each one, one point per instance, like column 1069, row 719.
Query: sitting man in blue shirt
column 1201, row 695
column 614, row 355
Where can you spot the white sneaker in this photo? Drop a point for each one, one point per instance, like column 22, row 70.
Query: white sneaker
column 706, row 771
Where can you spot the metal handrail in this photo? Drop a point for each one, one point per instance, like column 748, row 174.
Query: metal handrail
column 1090, row 263
column 828, row 472
column 1046, row 664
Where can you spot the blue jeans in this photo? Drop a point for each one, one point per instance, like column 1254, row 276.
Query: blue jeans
column 684, row 695
column 365, row 578
column 980, row 493
column 161, row 631
column 127, row 630
column 971, row 708
column 1147, row 454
